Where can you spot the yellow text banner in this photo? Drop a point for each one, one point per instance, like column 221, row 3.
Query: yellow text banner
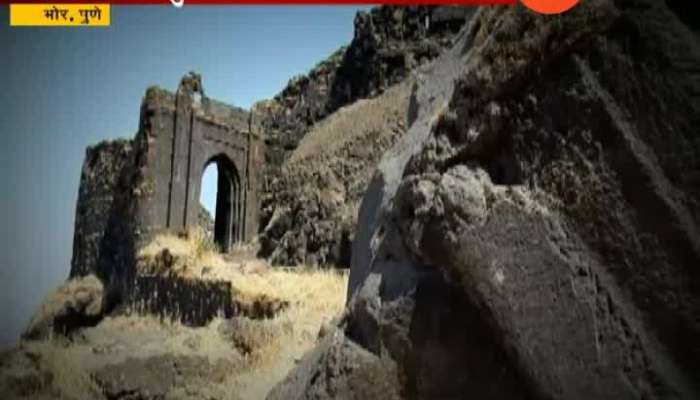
column 59, row 15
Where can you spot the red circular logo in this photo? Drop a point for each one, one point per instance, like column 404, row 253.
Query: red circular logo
column 550, row 6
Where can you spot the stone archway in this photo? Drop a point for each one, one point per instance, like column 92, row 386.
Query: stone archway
column 229, row 214
column 181, row 133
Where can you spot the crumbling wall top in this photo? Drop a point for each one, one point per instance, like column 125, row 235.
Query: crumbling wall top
column 208, row 110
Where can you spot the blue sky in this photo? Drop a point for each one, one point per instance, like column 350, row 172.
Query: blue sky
column 67, row 88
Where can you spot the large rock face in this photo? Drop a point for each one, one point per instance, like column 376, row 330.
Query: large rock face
column 389, row 42
column 301, row 223
column 535, row 232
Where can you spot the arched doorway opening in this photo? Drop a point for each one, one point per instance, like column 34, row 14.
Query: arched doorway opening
column 222, row 195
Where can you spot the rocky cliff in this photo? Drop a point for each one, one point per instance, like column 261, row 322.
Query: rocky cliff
column 389, row 43
column 534, row 234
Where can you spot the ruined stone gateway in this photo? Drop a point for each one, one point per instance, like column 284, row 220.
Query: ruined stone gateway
column 187, row 132
column 131, row 190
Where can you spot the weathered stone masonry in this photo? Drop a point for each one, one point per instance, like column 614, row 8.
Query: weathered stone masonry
column 186, row 132
column 131, row 190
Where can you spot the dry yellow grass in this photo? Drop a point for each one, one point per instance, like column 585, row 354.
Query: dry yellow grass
column 319, row 291
column 45, row 370
column 258, row 352
column 82, row 295
column 358, row 120
column 193, row 251
column 313, row 294
column 269, row 346
column 314, row 297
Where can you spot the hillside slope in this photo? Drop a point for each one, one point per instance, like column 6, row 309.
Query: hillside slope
column 388, row 44
column 318, row 192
